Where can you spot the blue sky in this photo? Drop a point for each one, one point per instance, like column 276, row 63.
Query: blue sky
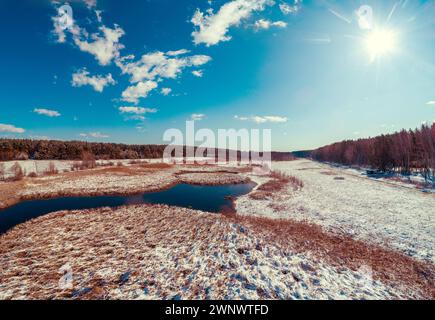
column 308, row 70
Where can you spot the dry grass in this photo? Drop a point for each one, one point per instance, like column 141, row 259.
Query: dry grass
column 156, row 166
column 9, row 192
column 165, row 251
column 278, row 184
column 388, row 266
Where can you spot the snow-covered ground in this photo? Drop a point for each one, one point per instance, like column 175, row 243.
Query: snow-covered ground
column 160, row 252
column 41, row 166
column 347, row 202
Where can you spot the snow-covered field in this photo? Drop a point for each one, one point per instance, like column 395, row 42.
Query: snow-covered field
column 340, row 236
column 343, row 201
column 160, row 252
column 41, row 166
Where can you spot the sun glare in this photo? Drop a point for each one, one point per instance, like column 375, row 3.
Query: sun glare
column 381, row 42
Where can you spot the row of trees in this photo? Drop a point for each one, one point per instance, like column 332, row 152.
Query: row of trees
column 404, row 152
column 13, row 149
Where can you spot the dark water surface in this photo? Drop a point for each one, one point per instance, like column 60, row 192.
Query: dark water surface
column 205, row 198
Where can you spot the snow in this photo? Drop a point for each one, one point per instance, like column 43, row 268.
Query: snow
column 160, row 252
column 372, row 210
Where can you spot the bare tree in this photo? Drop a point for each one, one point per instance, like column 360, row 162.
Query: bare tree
column 2, row 171
column 17, row 172
column 51, row 168
column 88, row 160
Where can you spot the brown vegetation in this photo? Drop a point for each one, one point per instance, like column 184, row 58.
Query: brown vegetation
column 403, row 152
column 155, row 166
column 51, row 170
column 88, row 160
column 2, row 171
column 278, row 183
column 155, row 252
column 17, row 172
column 340, row 250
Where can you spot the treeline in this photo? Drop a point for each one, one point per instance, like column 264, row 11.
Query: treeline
column 403, row 152
column 14, row 149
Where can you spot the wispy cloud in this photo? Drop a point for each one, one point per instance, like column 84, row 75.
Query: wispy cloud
column 197, row 116
column 96, row 135
column 198, row 73
column 166, row 91
column 98, row 82
column 135, row 113
column 263, row 24
column 136, row 110
column 430, row 103
column 47, row 112
column 263, row 119
column 290, row 9
column 177, row 52
column 10, row 128
column 104, row 45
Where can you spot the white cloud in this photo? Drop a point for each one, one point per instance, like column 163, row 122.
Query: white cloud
column 151, row 68
column 98, row 82
column 197, row 116
column 137, row 110
column 263, row 24
column 47, row 112
column 98, row 14
column 158, row 65
column 91, row 3
column 241, row 118
column 140, row 90
column 290, row 9
column 273, row 119
column 263, row 119
column 59, row 29
column 95, row 135
column 177, row 52
column 430, row 103
column 212, row 28
column 10, row 128
column 136, row 113
column 198, row 73
column 166, row 91
column 105, row 46
column 136, row 117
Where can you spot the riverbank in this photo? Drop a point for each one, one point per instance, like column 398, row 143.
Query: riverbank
column 122, row 180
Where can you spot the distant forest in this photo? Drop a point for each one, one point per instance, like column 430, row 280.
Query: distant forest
column 403, row 152
column 14, row 149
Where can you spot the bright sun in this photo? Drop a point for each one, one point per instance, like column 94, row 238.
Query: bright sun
column 381, row 42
